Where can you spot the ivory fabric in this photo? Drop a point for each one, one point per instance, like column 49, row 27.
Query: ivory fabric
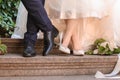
column 64, row 9
column 97, row 18
column 113, row 74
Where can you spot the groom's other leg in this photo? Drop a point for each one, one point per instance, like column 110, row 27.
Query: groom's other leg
column 43, row 2
column 37, row 12
column 30, row 38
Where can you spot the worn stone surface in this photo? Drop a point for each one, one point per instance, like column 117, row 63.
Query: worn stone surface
column 16, row 65
column 56, row 63
column 77, row 77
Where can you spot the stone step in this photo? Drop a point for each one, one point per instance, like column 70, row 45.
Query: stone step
column 17, row 45
column 75, row 77
column 57, row 65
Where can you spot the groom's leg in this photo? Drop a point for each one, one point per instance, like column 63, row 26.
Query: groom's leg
column 30, row 38
column 43, row 2
column 36, row 10
column 32, row 30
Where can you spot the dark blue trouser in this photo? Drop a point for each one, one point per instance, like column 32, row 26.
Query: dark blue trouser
column 37, row 19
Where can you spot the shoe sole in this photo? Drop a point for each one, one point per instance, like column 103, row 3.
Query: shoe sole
column 78, row 54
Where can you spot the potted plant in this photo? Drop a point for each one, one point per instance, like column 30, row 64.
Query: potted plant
column 3, row 48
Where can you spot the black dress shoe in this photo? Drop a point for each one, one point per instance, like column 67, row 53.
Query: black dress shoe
column 48, row 42
column 29, row 44
column 29, row 51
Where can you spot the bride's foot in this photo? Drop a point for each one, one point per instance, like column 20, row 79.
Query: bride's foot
column 61, row 47
column 78, row 52
column 64, row 49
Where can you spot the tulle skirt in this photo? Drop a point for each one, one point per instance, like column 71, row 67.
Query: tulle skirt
column 64, row 9
column 97, row 18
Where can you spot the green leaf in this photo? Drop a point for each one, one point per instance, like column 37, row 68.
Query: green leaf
column 8, row 14
column 116, row 50
column 99, row 41
column 101, row 49
column 0, row 1
column 89, row 52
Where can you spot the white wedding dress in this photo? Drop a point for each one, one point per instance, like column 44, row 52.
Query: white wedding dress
column 66, row 9
column 92, row 28
column 105, row 15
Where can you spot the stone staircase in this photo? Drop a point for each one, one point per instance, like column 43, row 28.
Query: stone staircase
column 56, row 63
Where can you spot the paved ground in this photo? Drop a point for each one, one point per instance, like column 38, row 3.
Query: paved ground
column 81, row 77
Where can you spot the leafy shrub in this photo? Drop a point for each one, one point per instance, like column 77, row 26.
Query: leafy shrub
column 8, row 14
column 102, row 47
column 3, row 48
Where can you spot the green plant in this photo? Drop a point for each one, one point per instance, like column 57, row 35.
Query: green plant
column 102, row 47
column 8, row 14
column 3, row 48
